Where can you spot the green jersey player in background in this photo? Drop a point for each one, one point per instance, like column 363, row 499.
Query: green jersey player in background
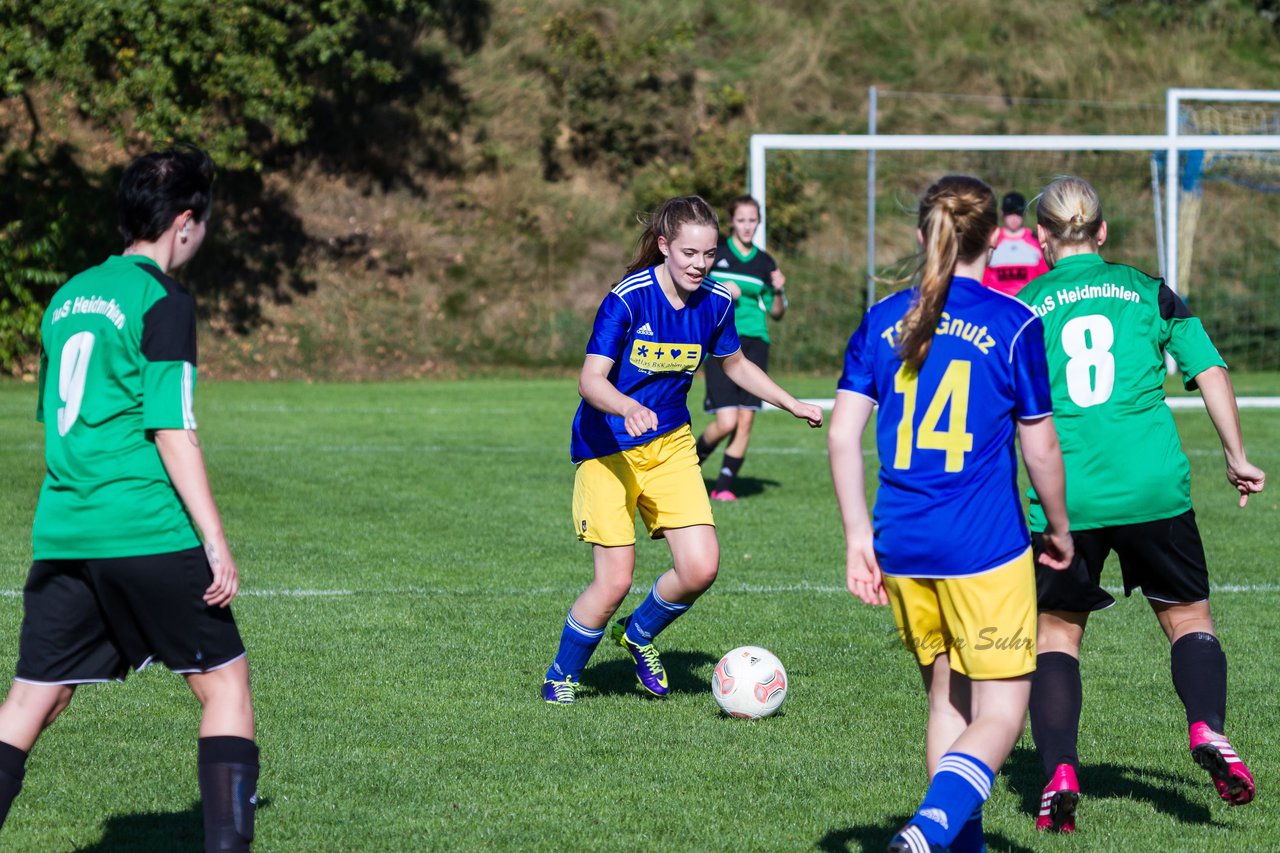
column 752, row 276
column 1106, row 329
column 120, row 578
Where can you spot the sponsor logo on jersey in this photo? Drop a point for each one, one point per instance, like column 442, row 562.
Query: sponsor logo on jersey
column 646, row 329
column 722, row 263
column 666, row 358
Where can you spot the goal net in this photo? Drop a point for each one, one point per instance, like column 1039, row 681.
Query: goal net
column 1228, row 246
column 832, row 244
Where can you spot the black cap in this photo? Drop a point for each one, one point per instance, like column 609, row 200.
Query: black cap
column 1013, row 203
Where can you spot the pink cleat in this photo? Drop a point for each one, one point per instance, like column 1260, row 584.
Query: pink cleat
column 1059, row 800
column 723, row 495
column 1214, row 753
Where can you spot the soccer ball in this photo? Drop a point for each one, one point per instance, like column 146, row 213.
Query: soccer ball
column 749, row 683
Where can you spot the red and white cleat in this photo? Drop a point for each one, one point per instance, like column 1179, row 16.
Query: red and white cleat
column 1212, row 751
column 1059, row 800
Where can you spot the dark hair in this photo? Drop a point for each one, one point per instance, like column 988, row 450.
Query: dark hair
column 1014, row 202
column 157, row 187
column 740, row 201
column 957, row 217
column 665, row 222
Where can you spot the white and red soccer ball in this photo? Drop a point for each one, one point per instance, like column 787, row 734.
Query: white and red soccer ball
column 749, row 683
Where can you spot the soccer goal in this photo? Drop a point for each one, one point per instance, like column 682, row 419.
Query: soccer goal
column 1223, row 253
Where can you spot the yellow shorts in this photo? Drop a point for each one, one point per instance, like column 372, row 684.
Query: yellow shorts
column 985, row 623
column 660, row 478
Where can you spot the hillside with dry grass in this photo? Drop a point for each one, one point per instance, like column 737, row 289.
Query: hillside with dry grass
column 531, row 153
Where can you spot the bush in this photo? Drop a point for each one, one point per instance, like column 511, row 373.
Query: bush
column 618, row 102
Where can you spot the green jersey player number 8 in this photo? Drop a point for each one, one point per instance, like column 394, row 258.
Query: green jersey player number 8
column 1091, row 368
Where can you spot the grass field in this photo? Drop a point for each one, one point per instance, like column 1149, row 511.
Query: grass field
column 408, row 560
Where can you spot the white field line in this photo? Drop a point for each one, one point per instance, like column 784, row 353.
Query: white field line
column 529, row 451
column 513, row 592
column 1194, row 402
column 507, row 449
column 1173, row 402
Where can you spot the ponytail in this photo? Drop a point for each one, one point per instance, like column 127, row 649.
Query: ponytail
column 957, row 216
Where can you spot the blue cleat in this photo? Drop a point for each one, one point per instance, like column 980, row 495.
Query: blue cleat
column 559, row 692
column 649, row 670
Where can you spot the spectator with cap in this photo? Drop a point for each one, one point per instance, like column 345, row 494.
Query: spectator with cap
column 1016, row 258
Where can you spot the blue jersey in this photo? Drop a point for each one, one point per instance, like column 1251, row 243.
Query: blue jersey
column 655, row 349
column 948, row 503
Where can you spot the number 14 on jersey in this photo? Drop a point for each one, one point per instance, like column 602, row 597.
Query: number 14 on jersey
column 952, row 389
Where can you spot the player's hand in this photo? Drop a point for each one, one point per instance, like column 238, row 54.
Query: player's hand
column 777, row 279
column 862, row 573
column 1059, row 549
column 226, row 577
column 639, row 420
column 1246, row 477
column 808, row 412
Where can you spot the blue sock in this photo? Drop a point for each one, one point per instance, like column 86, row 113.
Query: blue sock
column 653, row 615
column 959, row 788
column 576, row 645
column 970, row 839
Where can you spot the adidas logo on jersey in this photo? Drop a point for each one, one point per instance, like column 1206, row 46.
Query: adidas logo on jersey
column 723, row 262
column 646, row 329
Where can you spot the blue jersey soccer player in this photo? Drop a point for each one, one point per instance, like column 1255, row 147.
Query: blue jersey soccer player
column 633, row 446
column 956, row 370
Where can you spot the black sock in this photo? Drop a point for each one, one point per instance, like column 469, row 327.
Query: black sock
column 228, row 771
column 705, row 449
column 1200, row 676
column 12, row 768
column 1056, row 697
column 728, row 471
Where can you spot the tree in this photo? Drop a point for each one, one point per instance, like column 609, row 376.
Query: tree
column 253, row 82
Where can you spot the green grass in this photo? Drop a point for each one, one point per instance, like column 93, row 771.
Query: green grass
column 408, row 560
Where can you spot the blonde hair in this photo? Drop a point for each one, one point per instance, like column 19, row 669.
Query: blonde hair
column 666, row 222
column 1070, row 211
column 957, row 216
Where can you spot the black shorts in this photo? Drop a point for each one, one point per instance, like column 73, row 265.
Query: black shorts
column 722, row 393
column 92, row 620
column 1164, row 558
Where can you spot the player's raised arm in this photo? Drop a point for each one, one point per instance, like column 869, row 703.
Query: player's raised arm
column 751, row 378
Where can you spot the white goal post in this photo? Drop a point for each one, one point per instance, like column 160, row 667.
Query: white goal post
column 1174, row 98
column 1172, row 142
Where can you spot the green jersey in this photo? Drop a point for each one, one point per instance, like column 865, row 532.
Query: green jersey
column 118, row 361
column 1106, row 327
column 753, row 274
